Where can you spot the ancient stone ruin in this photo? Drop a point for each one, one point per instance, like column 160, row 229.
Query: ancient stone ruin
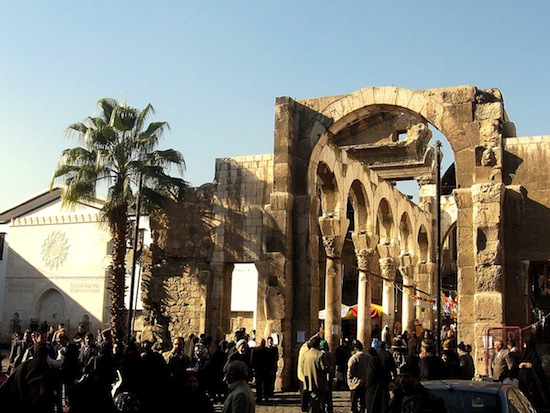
column 324, row 224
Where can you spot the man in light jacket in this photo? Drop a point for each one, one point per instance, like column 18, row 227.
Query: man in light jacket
column 315, row 368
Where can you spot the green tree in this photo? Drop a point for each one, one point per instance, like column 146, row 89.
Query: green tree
column 118, row 149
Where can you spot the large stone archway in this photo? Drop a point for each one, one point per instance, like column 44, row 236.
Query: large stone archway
column 474, row 123
column 289, row 213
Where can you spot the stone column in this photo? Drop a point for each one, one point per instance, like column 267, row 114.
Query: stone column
column 333, row 241
column 489, row 259
column 407, row 265
column 364, row 254
column 388, row 266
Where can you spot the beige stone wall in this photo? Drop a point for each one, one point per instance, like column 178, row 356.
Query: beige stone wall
column 287, row 213
column 198, row 239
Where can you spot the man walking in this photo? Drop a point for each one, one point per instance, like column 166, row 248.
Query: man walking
column 357, row 377
column 240, row 398
column 315, row 368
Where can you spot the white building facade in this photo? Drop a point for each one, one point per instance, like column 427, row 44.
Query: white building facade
column 54, row 266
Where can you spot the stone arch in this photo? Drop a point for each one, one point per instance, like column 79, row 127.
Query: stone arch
column 360, row 205
column 384, row 222
column 423, row 243
column 428, row 106
column 406, row 239
column 51, row 307
column 328, row 188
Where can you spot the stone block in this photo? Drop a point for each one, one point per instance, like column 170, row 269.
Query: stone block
column 487, row 193
column 455, row 95
column 489, row 278
column 466, row 285
column 493, row 110
column 489, row 307
column 466, row 307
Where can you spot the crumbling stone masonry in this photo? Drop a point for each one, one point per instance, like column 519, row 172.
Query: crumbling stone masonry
column 323, row 223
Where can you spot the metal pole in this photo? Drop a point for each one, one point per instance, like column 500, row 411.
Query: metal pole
column 134, row 262
column 438, row 242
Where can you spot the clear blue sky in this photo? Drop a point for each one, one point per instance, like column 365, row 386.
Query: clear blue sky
column 213, row 69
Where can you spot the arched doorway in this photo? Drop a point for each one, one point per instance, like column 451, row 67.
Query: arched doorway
column 51, row 308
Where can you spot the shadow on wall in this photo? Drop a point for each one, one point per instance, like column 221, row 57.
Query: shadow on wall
column 35, row 300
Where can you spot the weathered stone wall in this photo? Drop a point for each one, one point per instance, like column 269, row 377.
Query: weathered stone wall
column 176, row 282
column 527, row 167
column 198, row 239
column 270, row 210
column 527, row 217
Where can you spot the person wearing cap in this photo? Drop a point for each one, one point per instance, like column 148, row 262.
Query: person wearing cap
column 466, row 369
column 431, row 365
column 242, row 353
column 411, row 396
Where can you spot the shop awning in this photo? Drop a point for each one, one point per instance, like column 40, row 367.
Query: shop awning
column 348, row 312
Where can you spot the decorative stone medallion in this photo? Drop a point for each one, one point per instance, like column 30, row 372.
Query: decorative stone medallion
column 55, row 250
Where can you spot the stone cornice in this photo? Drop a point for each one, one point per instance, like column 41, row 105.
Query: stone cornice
column 55, row 220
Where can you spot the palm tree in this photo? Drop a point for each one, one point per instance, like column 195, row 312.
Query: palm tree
column 119, row 151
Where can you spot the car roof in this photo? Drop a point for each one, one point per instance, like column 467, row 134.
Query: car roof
column 465, row 385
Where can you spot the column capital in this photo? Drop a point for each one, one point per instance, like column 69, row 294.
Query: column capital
column 333, row 245
column 364, row 258
column 388, row 266
column 365, row 248
column 333, row 231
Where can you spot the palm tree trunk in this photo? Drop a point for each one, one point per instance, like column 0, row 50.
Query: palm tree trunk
column 117, row 284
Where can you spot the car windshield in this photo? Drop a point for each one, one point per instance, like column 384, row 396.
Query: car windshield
column 468, row 401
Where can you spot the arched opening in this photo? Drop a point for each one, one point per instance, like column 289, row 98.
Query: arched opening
column 244, row 297
column 384, row 222
column 406, row 243
column 328, row 191
column 51, row 308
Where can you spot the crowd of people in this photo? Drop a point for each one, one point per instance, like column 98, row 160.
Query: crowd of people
column 387, row 376
column 51, row 372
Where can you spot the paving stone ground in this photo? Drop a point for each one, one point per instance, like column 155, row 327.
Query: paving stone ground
column 289, row 402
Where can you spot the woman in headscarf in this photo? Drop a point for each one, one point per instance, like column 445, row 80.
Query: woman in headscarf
column 27, row 390
column 201, row 364
column 532, row 381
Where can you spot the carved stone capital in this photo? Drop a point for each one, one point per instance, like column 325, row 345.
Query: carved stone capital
column 333, row 246
column 365, row 248
column 333, row 230
column 364, row 258
column 388, row 266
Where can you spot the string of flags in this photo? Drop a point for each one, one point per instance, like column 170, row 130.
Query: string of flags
column 449, row 305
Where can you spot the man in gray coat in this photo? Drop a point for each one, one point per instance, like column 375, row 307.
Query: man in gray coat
column 501, row 363
column 240, row 398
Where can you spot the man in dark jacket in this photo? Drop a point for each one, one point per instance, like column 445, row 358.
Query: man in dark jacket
column 466, row 368
column 431, row 365
column 411, row 396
